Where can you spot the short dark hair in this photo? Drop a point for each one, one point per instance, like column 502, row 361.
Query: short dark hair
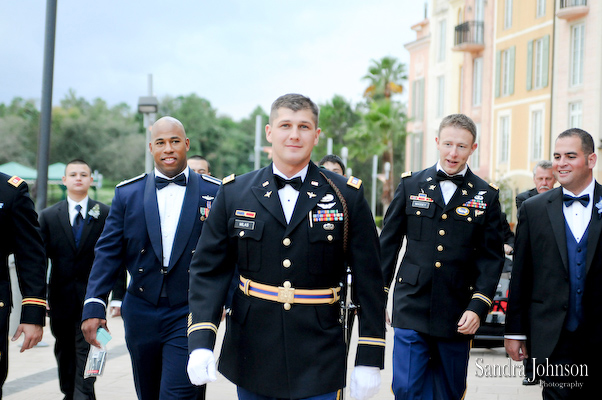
column 587, row 141
column 201, row 158
column 333, row 158
column 78, row 161
column 459, row 121
column 295, row 102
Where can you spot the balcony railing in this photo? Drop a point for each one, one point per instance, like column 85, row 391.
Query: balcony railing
column 572, row 9
column 469, row 36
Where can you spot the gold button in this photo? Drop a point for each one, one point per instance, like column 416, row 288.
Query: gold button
column 438, row 264
column 440, row 248
column 418, row 212
column 286, row 242
column 287, row 306
column 1, row 304
column 400, row 279
column 286, row 263
column 329, row 237
column 442, row 232
column 287, row 284
column 444, row 216
column 241, row 234
column 203, row 218
column 469, row 219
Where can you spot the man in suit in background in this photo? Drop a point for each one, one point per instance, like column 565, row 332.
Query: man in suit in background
column 285, row 227
column 451, row 220
column 19, row 234
column 557, row 274
column 543, row 177
column 70, row 229
column 199, row 164
column 153, row 227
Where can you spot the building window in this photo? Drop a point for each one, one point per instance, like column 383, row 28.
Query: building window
column 417, row 151
column 577, row 46
column 418, row 99
column 536, row 134
column 475, row 159
column 477, row 77
column 538, row 54
column 479, row 10
column 508, row 72
column 504, row 138
column 576, row 114
column 541, row 8
column 440, row 95
column 508, row 14
column 442, row 48
column 539, row 45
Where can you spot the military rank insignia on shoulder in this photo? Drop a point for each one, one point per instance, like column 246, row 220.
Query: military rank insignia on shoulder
column 406, row 174
column 128, row 181
column 15, row 181
column 228, row 179
column 211, row 179
column 354, row 182
column 494, row 186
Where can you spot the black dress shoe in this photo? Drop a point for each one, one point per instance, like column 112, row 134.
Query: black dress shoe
column 527, row 382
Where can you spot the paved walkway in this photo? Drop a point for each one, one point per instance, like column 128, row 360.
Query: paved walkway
column 33, row 374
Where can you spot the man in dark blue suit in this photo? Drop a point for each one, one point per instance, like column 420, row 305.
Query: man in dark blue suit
column 153, row 227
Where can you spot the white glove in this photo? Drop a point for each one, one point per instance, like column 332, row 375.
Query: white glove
column 365, row 382
column 201, row 367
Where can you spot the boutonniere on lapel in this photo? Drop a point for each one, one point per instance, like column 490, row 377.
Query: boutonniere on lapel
column 599, row 207
column 94, row 212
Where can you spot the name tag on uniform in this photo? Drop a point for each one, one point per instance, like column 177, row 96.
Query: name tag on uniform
column 242, row 224
column 421, row 204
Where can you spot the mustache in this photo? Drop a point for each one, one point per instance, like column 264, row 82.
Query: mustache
column 545, row 187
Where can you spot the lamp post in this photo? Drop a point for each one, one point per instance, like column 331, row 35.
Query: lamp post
column 148, row 107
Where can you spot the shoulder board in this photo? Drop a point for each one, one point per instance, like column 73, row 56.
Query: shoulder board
column 211, row 179
column 494, row 186
column 134, row 179
column 228, row 179
column 16, row 181
column 354, row 182
column 406, row 174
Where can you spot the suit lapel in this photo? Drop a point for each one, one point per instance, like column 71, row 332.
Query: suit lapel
column 188, row 217
column 88, row 224
column 558, row 224
column 151, row 214
column 313, row 189
column 63, row 217
column 266, row 192
column 595, row 227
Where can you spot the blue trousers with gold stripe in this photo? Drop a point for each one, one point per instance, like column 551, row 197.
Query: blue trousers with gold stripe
column 428, row 368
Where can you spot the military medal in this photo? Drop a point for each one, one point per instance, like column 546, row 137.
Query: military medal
column 463, row 211
column 327, row 216
column 311, row 195
column 268, row 194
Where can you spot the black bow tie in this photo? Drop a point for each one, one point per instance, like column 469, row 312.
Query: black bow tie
column 568, row 200
column 442, row 176
column 296, row 182
column 162, row 182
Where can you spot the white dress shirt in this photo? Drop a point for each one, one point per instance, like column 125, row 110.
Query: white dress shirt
column 577, row 217
column 288, row 196
column 169, row 201
column 73, row 212
column 448, row 188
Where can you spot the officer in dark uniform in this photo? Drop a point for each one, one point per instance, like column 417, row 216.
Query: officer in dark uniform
column 20, row 234
column 451, row 220
column 290, row 227
column 153, row 227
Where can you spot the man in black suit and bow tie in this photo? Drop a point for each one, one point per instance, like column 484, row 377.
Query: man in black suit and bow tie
column 451, row 220
column 70, row 230
column 555, row 294
column 153, row 227
column 291, row 227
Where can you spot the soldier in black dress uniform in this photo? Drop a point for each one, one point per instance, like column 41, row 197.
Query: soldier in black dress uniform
column 20, row 234
column 451, row 221
column 290, row 227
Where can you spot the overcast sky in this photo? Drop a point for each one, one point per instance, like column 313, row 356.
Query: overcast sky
column 237, row 54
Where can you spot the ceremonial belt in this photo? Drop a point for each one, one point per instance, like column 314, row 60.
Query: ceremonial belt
column 287, row 294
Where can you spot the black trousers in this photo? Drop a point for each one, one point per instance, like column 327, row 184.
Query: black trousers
column 71, row 351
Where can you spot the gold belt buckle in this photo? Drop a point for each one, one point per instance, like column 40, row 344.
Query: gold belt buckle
column 286, row 294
